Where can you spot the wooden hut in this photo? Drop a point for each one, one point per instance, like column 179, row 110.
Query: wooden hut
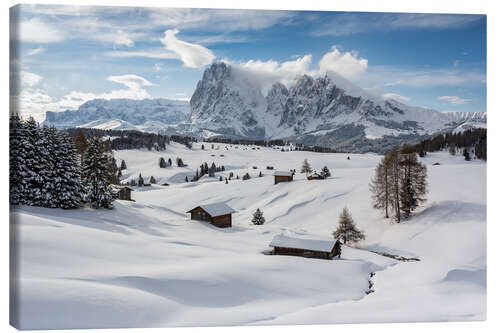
column 122, row 192
column 218, row 214
column 283, row 176
column 305, row 246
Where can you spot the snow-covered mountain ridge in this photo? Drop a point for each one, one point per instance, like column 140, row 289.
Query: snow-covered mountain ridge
column 326, row 111
column 227, row 102
column 149, row 115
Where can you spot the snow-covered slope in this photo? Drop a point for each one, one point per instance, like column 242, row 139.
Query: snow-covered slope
column 146, row 264
column 149, row 115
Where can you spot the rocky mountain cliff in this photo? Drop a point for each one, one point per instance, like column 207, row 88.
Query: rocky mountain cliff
column 327, row 110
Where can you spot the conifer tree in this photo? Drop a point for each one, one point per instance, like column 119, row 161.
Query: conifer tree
column 162, row 163
column 246, row 176
column 169, row 161
column 81, row 143
column 152, row 180
column 380, row 186
column 96, row 175
column 306, row 168
column 140, row 182
column 325, row 173
column 68, row 184
column 347, row 231
column 186, row 179
column 123, row 165
column 258, row 217
column 18, row 169
column 413, row 183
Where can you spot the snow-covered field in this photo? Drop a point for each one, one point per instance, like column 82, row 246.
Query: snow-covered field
column 145, row 264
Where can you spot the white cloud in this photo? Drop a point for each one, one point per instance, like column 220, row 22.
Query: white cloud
column 131, row 81
column 347, row 64
column 396, row 97
column 454, row 100
column 354, row 23
column 29, row 79
column 265, row 73
column 32, row 52
column 225, row 20
column 35, row 30
column 192, row 55
column 152, row 53
column 116, row 38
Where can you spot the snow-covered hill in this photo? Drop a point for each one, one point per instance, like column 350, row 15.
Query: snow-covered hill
column 146, row 264
column 150, row 115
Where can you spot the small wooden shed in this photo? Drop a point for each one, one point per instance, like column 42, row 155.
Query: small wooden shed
column 283, row 176
column 218, row 214
column 306, row 246
column 123, row 192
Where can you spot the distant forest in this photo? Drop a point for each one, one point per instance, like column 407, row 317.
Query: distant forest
column 471, row 141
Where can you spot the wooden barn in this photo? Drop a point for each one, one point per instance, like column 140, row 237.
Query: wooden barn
column 283, row 176
column 305, row 246
column 122, row 192
column 218, row 214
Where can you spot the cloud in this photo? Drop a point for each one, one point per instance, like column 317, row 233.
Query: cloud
column 151, row 53
column 355, row 23
column 35, row 102
column 454, row 100
column 35, row 30
column 396, row 97
column 117, row 38
column 266, row 73
column 29, row 79
column 192, row 55
column 32, row 52
column 225, row 20
column 347, row 64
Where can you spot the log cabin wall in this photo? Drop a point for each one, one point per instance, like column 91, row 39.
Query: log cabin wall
column 223, row 221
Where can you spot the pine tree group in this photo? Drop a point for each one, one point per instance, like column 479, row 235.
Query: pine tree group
column 347, row 231
column 44, row 167
column 258, row 217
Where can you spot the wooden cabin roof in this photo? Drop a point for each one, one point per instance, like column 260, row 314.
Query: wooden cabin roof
column 215, row 209
column 304, row 242
column 283, row 173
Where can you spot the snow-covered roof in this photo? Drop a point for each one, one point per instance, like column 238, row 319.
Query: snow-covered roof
column 303, row 242
column 216, row 209
column 283, row 173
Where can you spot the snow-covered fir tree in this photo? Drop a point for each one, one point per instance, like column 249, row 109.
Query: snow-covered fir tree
column 68, row 183
column 96, row 175
column 347, row 231
column 306, row 167
column 325, row 173
column 18, row 170
column 258, row 217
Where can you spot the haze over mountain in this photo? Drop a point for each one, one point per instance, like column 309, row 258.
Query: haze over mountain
column 327, row 110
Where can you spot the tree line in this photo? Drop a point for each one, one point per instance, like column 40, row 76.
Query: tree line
column 469, row 141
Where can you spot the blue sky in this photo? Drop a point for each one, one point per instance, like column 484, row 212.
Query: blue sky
column 66, row 55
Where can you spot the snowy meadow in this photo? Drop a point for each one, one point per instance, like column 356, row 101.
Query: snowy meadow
column 146, row 264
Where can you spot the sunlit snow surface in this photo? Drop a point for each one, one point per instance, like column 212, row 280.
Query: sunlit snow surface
column 145, row 264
